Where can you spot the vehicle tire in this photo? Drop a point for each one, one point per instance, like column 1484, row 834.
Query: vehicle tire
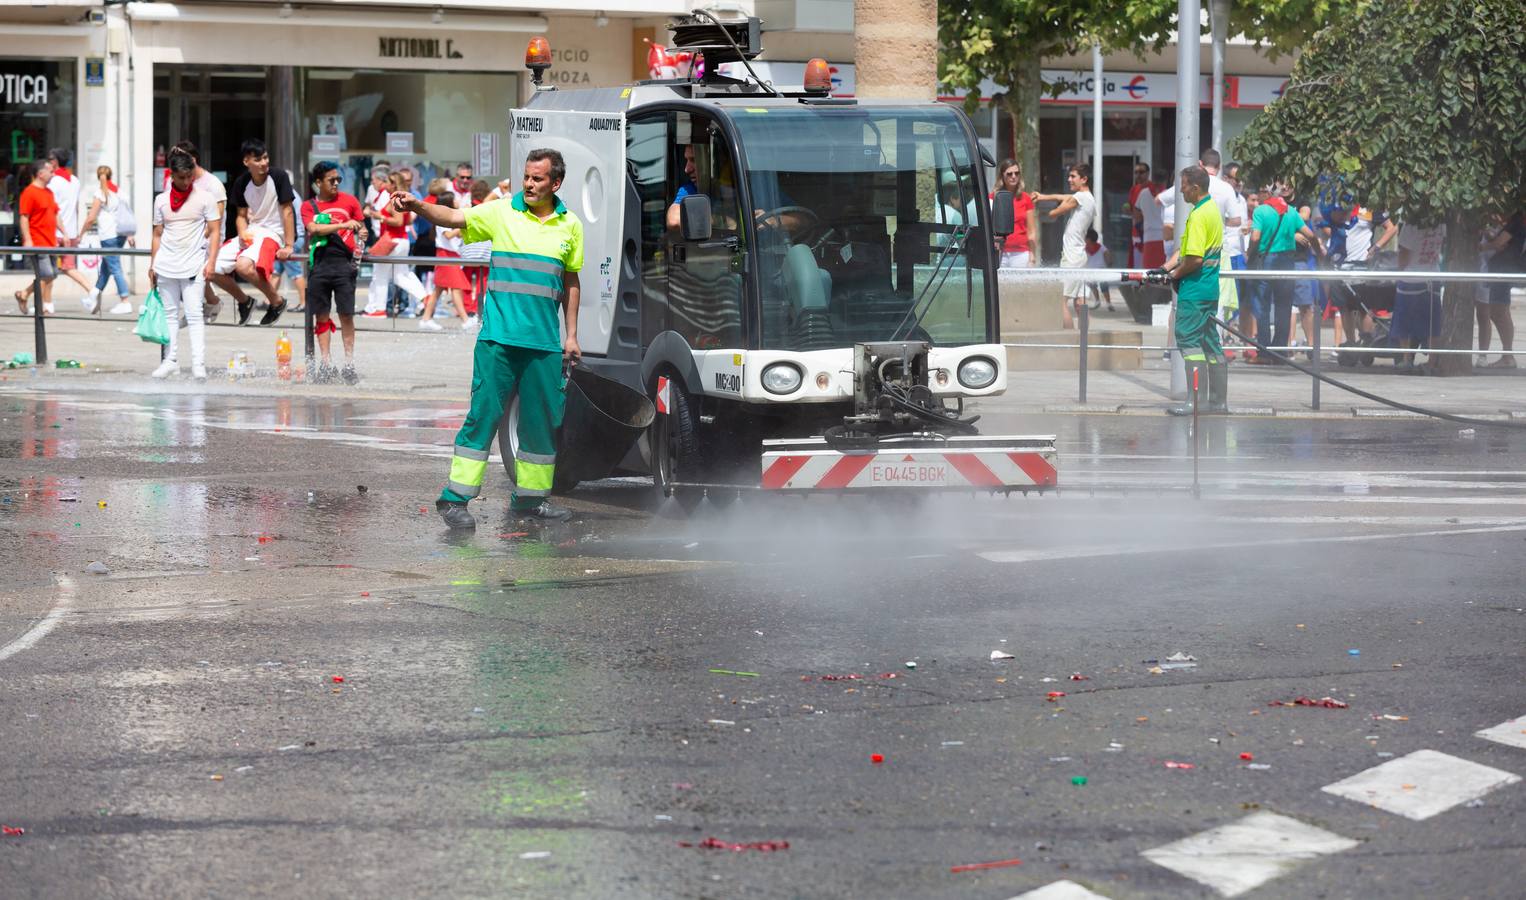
column 675, row 447
column 508, row 445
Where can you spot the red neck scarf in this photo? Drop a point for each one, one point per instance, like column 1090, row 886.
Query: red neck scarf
column 63, row 173
column 178, row 198
column 110, row 186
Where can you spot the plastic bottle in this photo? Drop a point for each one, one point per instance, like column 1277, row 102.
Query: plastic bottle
column 283, row 357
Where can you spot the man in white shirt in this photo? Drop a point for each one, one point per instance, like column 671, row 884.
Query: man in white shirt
column 184, row 252
column 267, row 230
column 1083, row 209
column 1150, row 251
column 65, row 187
column 462, row 186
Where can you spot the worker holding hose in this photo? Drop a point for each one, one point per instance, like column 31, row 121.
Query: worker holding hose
column 1195, row 270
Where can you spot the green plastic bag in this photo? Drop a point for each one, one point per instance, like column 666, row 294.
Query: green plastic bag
column 152, row 326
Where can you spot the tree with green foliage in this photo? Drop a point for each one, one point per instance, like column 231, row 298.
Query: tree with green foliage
column 1417, row 107
column 1007, row 41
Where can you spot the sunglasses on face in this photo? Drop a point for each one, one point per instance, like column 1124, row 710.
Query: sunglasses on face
column 333, row 179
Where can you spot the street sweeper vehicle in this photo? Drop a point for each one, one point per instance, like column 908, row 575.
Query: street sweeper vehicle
column 782, row 290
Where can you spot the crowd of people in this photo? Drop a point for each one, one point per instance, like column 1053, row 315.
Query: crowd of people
column 311, row 237
column 1269, row 227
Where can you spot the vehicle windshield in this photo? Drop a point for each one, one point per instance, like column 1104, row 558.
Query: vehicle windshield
column 866, row 225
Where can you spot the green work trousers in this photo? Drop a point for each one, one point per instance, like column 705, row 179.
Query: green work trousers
column 498, row 371
column 1196, row 334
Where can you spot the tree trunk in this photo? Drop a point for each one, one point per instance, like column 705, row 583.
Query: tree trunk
column 1022, row 102
column 1457, row 311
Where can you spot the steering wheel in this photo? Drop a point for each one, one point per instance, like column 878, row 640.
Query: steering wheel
column 780, row 211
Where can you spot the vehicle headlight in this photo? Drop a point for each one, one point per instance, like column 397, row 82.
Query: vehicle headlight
column 783, row 378
column 977, row 372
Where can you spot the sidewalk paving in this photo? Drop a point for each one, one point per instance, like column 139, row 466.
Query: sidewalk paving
column 396, row 359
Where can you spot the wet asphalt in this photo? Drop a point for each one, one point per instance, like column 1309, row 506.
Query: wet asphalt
column 290, row 682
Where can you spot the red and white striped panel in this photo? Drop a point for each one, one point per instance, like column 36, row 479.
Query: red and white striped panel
column 825, row 470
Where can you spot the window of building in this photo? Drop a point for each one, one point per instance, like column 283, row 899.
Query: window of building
column 37, row 98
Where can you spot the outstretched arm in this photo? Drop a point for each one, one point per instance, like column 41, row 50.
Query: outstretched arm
column 433, row 213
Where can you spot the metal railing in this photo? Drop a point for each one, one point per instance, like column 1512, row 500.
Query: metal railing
column 1130, row 277
column 309, row 340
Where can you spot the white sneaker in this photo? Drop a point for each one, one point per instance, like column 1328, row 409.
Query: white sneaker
column 198, row 372
column 123, row 308
column 166, row 369
column 47, row 309
column 91, row 302
column 469, row 323
column 209, row 311
column 430, row 325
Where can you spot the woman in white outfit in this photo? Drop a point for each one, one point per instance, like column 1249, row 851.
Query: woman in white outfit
column 394, row 232
column 1073, row 247
column 184, row 252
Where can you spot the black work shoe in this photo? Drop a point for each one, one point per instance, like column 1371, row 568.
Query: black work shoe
column 455, row 515
column 272, row 314
column 546, row 511
column 349, row 374
column 245, row 309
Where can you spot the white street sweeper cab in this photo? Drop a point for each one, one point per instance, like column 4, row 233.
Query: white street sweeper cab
column 803, row 285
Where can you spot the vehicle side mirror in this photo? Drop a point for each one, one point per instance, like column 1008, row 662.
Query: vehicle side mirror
column 1001, row 214
column 694, row 217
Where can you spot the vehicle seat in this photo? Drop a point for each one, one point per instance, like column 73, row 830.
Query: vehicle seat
column 806, row 286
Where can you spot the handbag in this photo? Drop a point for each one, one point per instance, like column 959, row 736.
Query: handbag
column 383, row 246
column 152, row 325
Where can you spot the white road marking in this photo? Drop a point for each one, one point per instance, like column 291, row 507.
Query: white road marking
column 1060, row 890
column 1237, row 857
column 1421, row 784
column 1017, row 556
column 414, row 413
column 37, row 632
column 1512, row 733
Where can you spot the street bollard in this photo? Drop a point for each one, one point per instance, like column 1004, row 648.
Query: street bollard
column 1319, row 326
column 1085, row 314
column 1196, row 433
column 39, row 329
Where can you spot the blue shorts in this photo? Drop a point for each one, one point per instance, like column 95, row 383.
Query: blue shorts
column 288, row 268
column 1417, row 311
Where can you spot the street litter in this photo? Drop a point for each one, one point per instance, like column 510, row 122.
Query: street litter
column 719, row 722
column 10, row 831
column 1059, row 759
column 1353, row 652
column 975, row 867
column 711, row 843
column 1001, row 654
column 1390, row 718
column 97, row 568
column 1172, row 764
column 1114, row 746
column 1046, row 679
column 1324, row 702
column 662, row 818
column 217, row 778
column 338, row 679
column 730, row 672
column 1260, row 767
column 289, row 747
column 535, row 854
column 876, row 758
column 849, row 676
column 1077, row 676
column 911, row 665
column 243, row 768
column 1078, row 780
column 1054, row 695
column 1247, row 756
column 691, row 545
column 1466, row 433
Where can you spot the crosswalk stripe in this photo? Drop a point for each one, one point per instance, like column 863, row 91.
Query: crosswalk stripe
column 1512, row 733
column 1422, row 784
column 1243, row 855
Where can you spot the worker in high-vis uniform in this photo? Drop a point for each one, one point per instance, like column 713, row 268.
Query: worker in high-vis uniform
column 1195, row 269
column 537, row 253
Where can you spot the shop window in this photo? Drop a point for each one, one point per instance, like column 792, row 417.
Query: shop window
column 37, row 101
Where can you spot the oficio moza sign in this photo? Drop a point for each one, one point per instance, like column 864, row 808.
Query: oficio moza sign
column 29, row 89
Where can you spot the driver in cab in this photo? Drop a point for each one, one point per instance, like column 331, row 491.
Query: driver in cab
column 724, row 199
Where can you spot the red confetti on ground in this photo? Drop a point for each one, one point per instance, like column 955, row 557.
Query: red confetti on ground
column 1054, row 695
column 424, row 509
column 339, row 679
column 876, row 758
column 8, row 831
column 976, row 867
column 1172, row 764
column 1247, row 756
column 266, row 538
column 365, row 593
column 1077, row 676
column 711, row 843
column 515, row 534
column 1324, row 702
column 851, row 676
